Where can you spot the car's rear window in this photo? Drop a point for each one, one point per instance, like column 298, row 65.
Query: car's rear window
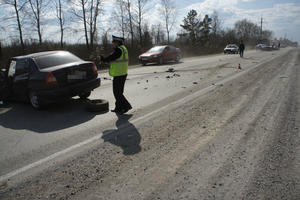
column 55, row 59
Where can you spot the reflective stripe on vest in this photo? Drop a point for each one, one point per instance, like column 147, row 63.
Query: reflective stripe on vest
column 119, row 67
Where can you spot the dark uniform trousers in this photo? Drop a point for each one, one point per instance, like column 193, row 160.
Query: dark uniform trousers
column 118, row 90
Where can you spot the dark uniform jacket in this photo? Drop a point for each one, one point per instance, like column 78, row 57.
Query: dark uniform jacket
column 114, row 56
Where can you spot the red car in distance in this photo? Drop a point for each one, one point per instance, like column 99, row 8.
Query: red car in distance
column 160, row 55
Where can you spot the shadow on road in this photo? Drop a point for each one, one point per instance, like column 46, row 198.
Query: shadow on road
column 53, row 117
column 125, row 136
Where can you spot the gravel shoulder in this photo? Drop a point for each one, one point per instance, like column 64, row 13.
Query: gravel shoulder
column 238, row 140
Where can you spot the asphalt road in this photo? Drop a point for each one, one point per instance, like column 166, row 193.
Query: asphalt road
column 206, row 130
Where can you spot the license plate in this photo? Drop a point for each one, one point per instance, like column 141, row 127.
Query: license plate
column 144, row 58
column 77, row 75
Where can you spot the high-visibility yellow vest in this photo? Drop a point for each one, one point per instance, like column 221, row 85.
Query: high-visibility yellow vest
column 119, row 67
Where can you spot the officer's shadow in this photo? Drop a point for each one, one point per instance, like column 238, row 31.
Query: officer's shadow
column 125, row 136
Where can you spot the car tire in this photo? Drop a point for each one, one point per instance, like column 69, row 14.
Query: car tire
column 177, row 59
column 97, row 105
column 84, row 95
column 34, row 100
column 144, row 63
column 4, row 90
column 161, row 61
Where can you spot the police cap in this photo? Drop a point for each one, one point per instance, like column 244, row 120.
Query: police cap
column 117, row 39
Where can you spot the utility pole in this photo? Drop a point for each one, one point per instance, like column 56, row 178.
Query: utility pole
column 261, row 29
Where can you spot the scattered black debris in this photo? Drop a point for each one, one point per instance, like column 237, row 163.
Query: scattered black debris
column 154, row 72
column 105, row 78
column 195, row 83
column 178, row 75
column 183, row 87
column 213, row 84
column 147, row 81
column 145, row 88
column 203, row 126
column 169, row 76
column 138, row 82
column 170, row 70
column 221, row 85
column 280, row 77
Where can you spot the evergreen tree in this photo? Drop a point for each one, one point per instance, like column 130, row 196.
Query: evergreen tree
column 191, row 24
column 205, row 28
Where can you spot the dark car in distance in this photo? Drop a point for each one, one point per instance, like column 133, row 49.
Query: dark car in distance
column 160, row 55
column 47, row 77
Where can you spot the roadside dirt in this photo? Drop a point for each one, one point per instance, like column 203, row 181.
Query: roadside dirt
column 238, row 141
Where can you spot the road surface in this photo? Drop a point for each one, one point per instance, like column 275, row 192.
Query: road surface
column 206, row 130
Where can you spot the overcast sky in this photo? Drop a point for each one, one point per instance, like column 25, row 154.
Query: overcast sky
column 280, row 16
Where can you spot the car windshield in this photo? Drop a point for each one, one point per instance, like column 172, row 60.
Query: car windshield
column 156, row 49
column 55, row 59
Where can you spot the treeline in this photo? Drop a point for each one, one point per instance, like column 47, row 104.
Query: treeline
column 198, row 35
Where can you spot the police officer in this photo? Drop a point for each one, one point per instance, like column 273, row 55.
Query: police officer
column 118, row 70
column 241, row 49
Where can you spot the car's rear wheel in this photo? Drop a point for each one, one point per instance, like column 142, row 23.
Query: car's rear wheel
column 144, row 63
column 85, row 95
column 34, row 100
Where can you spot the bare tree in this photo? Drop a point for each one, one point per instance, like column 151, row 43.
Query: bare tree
column 60, row 16
column 88, row 13
column 37, row 7
column 94, row 14
column 247, row 31
column 119, row 14
column 158, row 34
column 215, row 24
column 168, row 14
column 140, row 11
column 18, row 7
column 130, row 20
column 81, row 15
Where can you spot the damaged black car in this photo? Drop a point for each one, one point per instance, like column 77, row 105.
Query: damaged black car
column 47, row 77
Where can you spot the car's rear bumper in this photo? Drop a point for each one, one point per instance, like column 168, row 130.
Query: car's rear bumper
column 46, row 96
